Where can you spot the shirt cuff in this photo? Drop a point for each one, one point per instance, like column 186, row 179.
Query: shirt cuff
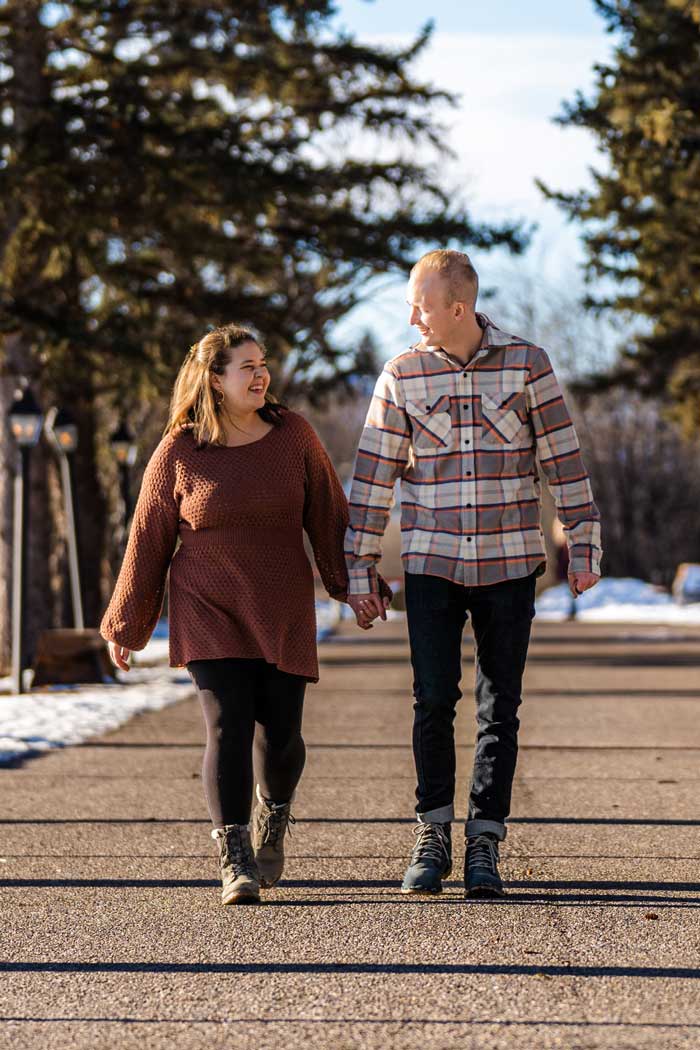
column 585, row 559
column 363, row 581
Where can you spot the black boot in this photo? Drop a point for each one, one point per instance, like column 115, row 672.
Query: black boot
column 431, row 859
column 481, row 878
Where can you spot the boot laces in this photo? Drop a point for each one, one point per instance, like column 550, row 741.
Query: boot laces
column 482, row 852
column 431, row 844
column 236, row 850
column 274, row 821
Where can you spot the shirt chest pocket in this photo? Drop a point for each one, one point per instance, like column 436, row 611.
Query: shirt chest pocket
column 503, row 416
column 431, row 424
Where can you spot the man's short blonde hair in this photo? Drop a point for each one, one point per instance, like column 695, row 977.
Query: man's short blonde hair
column 462, row 280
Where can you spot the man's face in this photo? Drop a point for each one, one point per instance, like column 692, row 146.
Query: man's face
column 427, row 300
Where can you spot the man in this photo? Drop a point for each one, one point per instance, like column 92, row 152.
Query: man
column 460, row 418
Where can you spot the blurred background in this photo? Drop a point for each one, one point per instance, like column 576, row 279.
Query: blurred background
column 166, row 166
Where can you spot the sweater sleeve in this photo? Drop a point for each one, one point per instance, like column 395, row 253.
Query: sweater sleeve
column 137, row 600
column 325, row 516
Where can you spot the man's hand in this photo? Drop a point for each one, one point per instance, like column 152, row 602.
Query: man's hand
column 119, row 655
column 367, row 607
column 582, row 581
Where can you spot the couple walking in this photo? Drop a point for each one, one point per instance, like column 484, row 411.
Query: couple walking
column 237, row 479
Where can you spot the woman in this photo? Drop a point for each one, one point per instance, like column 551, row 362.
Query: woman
column 236, row 478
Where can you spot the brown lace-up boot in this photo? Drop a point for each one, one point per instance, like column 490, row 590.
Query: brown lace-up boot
column 240, row 878
column 270, row 823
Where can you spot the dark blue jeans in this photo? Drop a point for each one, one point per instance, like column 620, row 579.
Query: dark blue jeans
column 501, row 615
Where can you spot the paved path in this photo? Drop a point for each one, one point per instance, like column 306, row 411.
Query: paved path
column 113, row 936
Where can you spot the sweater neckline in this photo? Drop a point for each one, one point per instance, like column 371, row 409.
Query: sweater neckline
column 231, row 448
column 248, row 444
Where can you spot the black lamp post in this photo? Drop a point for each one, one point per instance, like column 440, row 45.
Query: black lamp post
column 62, row 430
column 122, row 442
column 26, row 419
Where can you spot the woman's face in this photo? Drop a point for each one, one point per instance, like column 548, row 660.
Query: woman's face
column 245, row 380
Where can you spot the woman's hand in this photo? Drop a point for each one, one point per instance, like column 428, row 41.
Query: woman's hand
column 367, row 607
column 119, row 655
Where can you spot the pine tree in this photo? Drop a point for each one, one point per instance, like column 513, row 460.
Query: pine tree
column 166, row 165
column 181, row 174
column 642, row 217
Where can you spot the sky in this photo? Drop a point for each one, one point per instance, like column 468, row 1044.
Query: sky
column 513, row 65
column 563, row 17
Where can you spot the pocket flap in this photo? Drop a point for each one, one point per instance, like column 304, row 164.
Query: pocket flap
column 428, row 407
column 504, row 401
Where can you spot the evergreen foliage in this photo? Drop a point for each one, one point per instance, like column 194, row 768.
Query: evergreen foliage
column 165, row 165
column 642, row 217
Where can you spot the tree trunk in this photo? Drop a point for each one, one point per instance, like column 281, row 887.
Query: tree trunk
column 9, row 457
column 29, row 97
column 39, row 587
column 90, row 510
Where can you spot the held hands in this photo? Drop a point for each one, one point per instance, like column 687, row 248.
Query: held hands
column 581, row 581
column 367, row 607
column 119, row 655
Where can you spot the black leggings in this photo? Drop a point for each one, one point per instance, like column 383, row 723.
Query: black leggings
column 246, row 701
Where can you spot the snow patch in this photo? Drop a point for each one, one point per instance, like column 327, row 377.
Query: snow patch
column 616, row 600
column 55, row 716
column 59, row 715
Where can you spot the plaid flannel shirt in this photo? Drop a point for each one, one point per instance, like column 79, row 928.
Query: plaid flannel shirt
column 463, row 439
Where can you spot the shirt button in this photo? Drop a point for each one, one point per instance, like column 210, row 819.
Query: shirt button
column 469, row 539
column 469, row 473
column 465, row 407
column 469, row 504
column 427, row 408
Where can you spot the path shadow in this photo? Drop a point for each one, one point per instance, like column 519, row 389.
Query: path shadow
column 362, row 821
column 493, row 1022
column 638, row 894
column 267, row 968
column 649, row 659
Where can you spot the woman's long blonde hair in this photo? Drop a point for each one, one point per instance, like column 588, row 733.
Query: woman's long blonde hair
column 193, row 404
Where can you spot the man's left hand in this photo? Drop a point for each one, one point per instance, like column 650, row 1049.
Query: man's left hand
column 582, row 581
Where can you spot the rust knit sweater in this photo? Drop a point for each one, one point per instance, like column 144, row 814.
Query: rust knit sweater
column 240, row 582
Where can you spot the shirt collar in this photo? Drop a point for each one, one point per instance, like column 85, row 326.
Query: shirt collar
column 492, row 336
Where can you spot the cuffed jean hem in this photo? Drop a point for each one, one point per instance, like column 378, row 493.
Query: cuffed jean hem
column 443, row 815
column 478, row 827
